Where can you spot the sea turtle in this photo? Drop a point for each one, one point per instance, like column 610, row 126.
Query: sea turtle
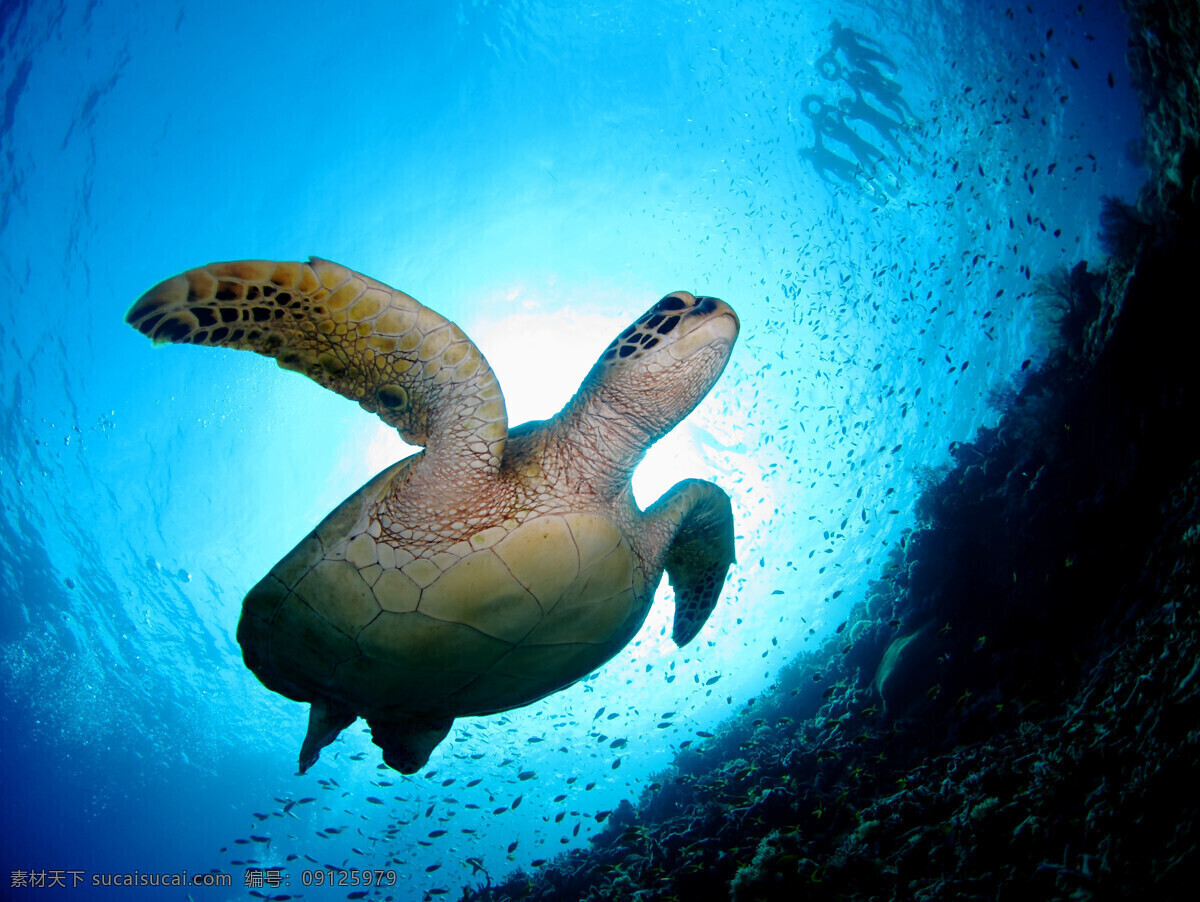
column 497, row 565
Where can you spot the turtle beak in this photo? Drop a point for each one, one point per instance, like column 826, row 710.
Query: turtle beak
column 710, row 321
column 725, row 321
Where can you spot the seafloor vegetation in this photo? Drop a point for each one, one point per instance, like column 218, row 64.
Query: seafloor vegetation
column 1014, row 710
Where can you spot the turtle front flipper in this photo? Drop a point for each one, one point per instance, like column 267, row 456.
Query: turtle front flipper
column 353, row 335
column 699, row 555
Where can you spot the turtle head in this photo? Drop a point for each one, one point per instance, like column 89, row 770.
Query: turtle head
column 661, row 365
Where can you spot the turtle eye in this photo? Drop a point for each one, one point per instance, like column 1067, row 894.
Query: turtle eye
column 670, row 302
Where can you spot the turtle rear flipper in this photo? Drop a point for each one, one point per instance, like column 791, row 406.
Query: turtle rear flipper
column 699, row 555
column 326, row 719
column 407, row 742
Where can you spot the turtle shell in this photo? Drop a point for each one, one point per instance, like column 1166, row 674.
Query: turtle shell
column 502, row 618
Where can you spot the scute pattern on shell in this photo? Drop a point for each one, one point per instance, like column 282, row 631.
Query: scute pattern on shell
column 509, row 622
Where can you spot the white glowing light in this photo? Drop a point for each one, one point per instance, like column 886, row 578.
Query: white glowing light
column 386, row 447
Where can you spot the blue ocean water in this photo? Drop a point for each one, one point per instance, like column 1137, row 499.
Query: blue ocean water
column 540, row 173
